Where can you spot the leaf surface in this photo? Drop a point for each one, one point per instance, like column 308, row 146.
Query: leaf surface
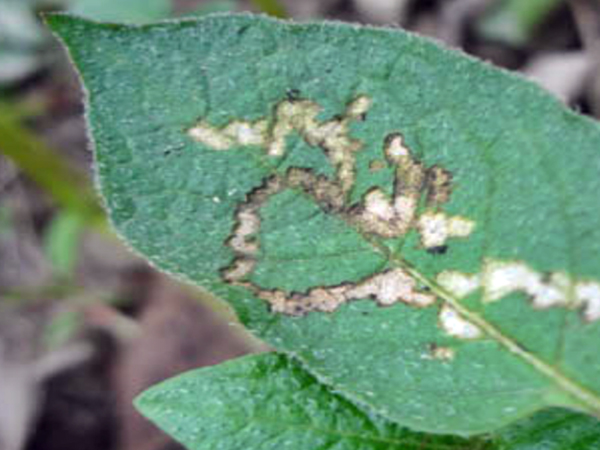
column 418, row 228
column 266, row 402
column 551, row 430
column 269, row 401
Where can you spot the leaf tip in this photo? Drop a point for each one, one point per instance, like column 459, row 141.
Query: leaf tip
column 58, row 22
column 143, row 403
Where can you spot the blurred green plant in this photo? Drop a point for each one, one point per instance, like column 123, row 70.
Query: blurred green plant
column 514, row 22
column 24, row 43
column 271, row 7
column 61, row 328
column 68, row 187
column 142, row 11
column 61, row 241
column 131, row 11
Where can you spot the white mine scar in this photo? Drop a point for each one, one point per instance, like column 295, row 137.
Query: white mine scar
column 456, row 326
column 391, row 287
column 394, row 217
column 458, row 284
column 501, row 278
column 378, row 214
column 386, row 288
column 437, row 228
column 293, row 115
column 236, row 133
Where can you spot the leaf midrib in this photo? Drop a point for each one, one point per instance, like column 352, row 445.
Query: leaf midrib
column 588, row 399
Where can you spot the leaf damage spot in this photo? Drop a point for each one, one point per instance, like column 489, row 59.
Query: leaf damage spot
column 379, row 214
column 456, row 326
column 397, row 216
column 391, row 287
column 459, row 284
column 386, row 288
column 501, row 278
column 440, row 353
column 234, row 134
column 333, row 135
column 437, row 227
column 588, row 294
column 377, row 165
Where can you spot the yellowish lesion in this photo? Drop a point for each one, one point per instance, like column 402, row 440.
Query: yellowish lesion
column 441, row 353
column 457, row 326
column 233, row 134
column 300, row 116
column 378, row 214
column 396, row 216
column 499, row 279
column 436, row 228
column 416, row 204
column 386, row 288
column 393, row 217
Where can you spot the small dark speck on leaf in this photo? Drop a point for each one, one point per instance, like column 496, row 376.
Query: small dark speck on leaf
column 242, row 30
column 172, row 150
column 439, row 250
column 292, row 94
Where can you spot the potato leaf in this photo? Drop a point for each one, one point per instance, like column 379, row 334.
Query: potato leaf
column 419, row 229
column 267, row 401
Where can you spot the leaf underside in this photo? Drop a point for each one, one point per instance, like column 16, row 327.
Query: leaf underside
column 419, row 229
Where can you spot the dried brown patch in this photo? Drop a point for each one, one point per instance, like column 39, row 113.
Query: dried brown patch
column 439, row 182
column 376, row 165
column 328, row 194
column 386, row 288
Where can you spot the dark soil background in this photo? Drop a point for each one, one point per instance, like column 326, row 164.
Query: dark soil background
column 85, row 325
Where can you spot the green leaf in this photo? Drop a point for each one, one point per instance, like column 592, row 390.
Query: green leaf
column 128, row 11
column 62, row 240
column 516, row 21
column 420, row 229
column 271, row 7
column 67, row 186
column 551, row 430
column 62, row 327
column 268, row 402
